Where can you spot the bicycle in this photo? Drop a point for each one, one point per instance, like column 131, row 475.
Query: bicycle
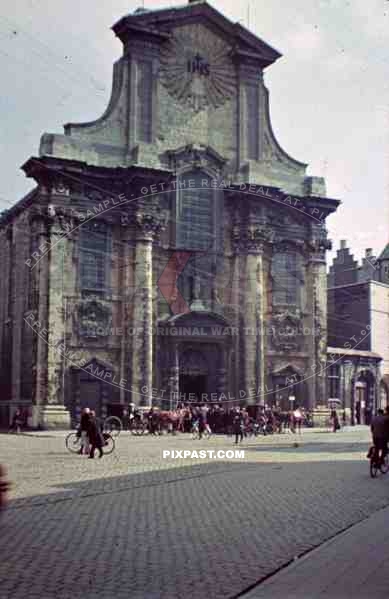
column 73, row 443
column 139, row 427
column 378, row 463
column 113, row 425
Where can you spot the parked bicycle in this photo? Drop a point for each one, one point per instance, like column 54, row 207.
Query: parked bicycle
column 73, row 443
column 113, row 425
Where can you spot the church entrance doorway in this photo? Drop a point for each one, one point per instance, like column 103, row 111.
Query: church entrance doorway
column 193, row 379
column 364, row 397
column 193, row 387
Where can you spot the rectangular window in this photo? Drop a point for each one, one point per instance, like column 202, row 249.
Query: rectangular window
column 252, row 121
column 94, row 256
column 144, row 101
column 334, row 381
column 285, row 278
column 195, row 222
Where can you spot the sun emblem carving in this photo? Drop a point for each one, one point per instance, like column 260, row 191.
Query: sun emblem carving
column 196, row 68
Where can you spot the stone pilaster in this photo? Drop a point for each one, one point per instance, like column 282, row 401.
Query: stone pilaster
column 222, row 372
column 40, row 276
column 19, row 299
column 318, row 281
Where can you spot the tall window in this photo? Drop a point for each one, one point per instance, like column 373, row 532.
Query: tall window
column 94, row 256
column 334, row 381
column 286, row 275
column 195, row 212
column 144, row 101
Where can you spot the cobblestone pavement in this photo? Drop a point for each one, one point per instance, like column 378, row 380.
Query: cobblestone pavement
column 136, row 525
column 351, row 565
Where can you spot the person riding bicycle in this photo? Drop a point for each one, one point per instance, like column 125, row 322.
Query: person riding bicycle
column 380, row 433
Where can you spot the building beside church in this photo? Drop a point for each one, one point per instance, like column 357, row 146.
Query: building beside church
column 358, row 332
column 171, row 249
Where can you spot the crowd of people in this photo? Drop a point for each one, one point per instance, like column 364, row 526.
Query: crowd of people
column 217, row 419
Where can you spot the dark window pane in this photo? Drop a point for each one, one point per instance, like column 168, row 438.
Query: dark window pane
column 195, row 226
column 286, row 278
column 94, row 253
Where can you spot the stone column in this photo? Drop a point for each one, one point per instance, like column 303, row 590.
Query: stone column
column 250, row 243
column 54, row 413
column 148, row 225
column 236, row 296
column 127, row 293
column 174, row 374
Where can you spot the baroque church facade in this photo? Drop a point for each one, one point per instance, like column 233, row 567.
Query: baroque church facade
column 171, row 250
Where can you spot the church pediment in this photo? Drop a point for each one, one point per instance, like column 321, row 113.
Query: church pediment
column 198, row 12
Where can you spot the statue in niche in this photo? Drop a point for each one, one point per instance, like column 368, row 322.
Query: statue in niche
column 94, row 319
column 196, row 289
column 196, row 301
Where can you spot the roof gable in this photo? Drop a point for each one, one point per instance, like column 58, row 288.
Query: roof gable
column 159, row 22
column 385, row 253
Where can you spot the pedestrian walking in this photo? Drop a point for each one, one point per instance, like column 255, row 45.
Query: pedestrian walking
column 335, row 421
column 84, row 431
column 17, row 422
column 297, row 420
column 238, row 425
column 95, row 436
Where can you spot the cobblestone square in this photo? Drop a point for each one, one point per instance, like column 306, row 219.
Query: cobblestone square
column 136, row 525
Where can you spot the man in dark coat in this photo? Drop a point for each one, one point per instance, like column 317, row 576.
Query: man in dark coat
column 380, row 433
column 238, row 425
column 96, row 439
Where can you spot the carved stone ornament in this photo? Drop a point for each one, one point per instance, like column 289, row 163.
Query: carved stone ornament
column 196, row 68
column 60, row 188
column 286, row 331
column 149, row 218
column 148, row 224
column 251, row 239
column 321, row 245
column 94, row 319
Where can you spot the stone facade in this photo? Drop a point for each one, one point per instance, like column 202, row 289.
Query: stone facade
column 171, row 248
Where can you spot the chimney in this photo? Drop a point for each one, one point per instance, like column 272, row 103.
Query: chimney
column 343, row 244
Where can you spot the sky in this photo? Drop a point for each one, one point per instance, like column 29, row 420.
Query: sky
column 329, row 93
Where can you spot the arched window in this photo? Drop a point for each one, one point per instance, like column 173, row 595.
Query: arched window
column 287, row 278
column 195, row 214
